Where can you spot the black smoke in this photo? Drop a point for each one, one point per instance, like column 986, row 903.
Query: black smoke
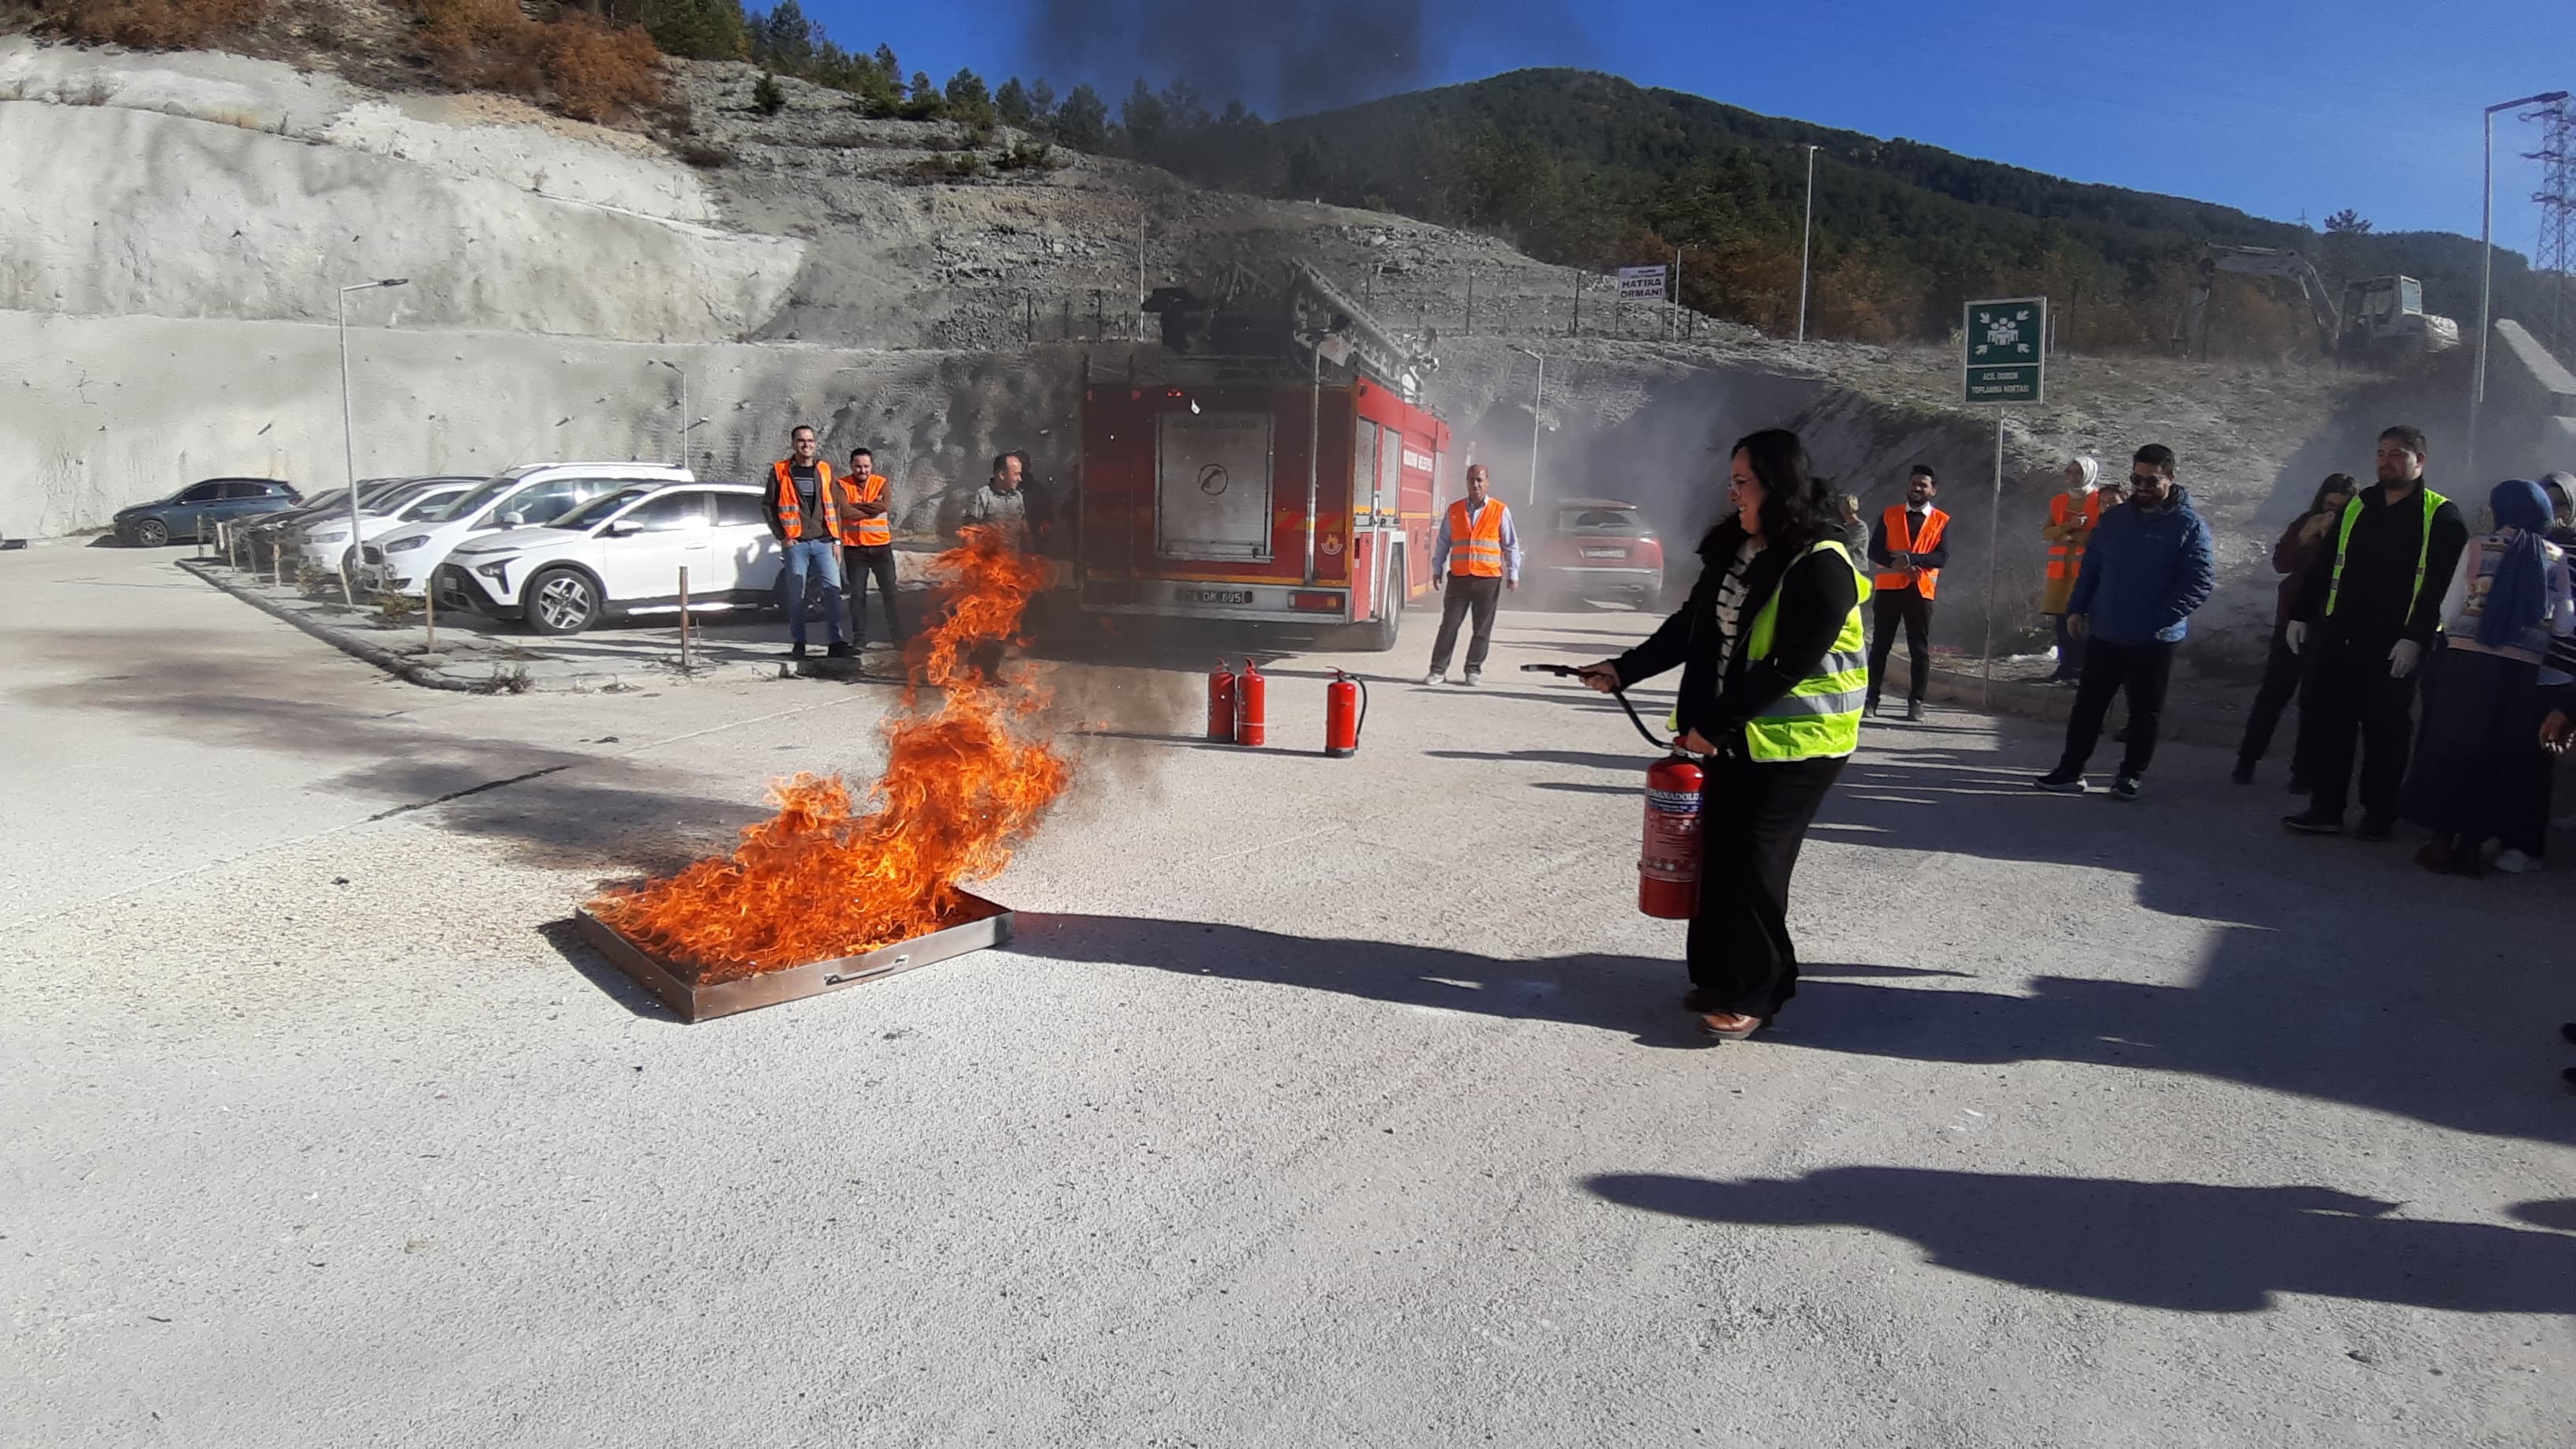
column 1281, row 57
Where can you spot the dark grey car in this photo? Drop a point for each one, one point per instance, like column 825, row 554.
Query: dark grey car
column 194, row 511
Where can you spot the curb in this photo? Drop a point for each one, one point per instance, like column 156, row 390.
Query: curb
column 406, row 670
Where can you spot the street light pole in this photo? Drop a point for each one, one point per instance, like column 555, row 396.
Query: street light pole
column 1538, row 395
column 1806, row 236
column 349, row 439
column 2486, row 268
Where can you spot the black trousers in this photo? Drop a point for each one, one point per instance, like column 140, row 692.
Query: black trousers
column 859, row 564
column 1909, row 608
column 2351, row 700
column 2282, row 672
column 1753, row 819
column 2143, row 671
column 1461, row 595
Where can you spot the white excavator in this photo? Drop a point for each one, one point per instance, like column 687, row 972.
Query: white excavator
column 2381, row 321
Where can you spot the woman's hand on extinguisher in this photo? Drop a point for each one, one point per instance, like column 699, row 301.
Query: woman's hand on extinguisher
column 1602, row 677
column 1693, row 742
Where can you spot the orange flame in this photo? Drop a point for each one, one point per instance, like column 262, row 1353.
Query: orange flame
column 963, row 785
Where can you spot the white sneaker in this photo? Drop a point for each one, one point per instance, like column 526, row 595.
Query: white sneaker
column 1437, row 676
column 2514, row 862
column 1471, row 679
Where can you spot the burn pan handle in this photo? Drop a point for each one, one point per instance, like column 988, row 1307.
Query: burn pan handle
column 843, row 980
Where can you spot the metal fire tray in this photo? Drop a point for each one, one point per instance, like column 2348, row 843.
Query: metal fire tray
column 979, row 924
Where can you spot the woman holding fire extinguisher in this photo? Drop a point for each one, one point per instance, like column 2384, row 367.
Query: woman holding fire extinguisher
column 1774, row 674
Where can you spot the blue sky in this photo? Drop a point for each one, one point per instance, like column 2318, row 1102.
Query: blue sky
column 2276, row 106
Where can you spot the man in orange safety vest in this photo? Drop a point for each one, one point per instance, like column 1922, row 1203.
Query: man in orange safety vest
column 1478, row 555
column 805, row 517
column 867, row 545
column 1909, row 546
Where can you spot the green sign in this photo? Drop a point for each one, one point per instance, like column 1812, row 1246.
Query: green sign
column 2006, row 350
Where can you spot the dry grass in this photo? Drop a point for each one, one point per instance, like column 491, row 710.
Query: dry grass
column 152, row 24
column 586, row 69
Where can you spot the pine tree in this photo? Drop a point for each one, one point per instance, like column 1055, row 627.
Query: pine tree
column 1011, row 103
column 1083, row 120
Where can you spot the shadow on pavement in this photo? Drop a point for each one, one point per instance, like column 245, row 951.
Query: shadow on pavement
column 1626, row 994
column 2195, row 1247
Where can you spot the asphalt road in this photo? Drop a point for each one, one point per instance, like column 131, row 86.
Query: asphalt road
column 1320, row 1102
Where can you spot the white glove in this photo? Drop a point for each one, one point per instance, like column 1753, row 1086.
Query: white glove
column 2296, row 636
column 2403, row 657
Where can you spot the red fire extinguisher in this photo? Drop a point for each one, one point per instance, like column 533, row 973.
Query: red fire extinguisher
column 1221, row 705
column 1251, row 707
column 1345, row 710
column 1668, row 867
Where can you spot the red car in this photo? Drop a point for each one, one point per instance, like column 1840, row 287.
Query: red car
column 1599, row 548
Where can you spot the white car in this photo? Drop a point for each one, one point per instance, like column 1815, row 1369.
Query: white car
column 324, row 538
column 620, row 554
column 402, row 560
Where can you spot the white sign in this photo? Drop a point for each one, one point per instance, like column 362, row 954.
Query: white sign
column 1646, row 282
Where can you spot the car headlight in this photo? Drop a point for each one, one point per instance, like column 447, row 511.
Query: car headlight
column 406, row 545
column 340, row 537
column 497, row 569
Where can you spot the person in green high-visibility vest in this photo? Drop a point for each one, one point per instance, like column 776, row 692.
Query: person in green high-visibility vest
column 2371, row 604
column 1774, row 673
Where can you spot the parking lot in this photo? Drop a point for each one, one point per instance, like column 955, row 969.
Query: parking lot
column 1318, row 1101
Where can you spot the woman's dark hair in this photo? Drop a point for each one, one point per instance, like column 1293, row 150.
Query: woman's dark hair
column 2335, row 483
column 1796, row 508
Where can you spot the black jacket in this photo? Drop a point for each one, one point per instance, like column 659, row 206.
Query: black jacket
column 1817, row 592
column 2379, row 568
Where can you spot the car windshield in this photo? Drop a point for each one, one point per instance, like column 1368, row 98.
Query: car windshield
column 598, row 508
column 475, row 501
column 1601, row 520
column 395, row 500
column 326, row 500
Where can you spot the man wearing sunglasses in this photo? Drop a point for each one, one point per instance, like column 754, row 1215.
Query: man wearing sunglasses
column 2149, row 565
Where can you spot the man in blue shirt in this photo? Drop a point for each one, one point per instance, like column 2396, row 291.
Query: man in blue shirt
column 2149, row 565
column 1475, row 554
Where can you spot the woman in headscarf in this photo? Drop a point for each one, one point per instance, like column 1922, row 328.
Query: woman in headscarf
column 2508, row 598
column 2071, row 519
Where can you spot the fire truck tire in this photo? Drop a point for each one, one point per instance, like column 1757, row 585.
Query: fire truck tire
column 1390, row 620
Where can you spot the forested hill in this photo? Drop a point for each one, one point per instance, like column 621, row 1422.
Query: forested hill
column 1592, row 170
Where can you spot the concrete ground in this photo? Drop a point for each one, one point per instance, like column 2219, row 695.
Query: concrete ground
column 1319, row 1101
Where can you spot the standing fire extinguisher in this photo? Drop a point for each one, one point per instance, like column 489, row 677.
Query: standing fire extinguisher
column 1220, row 729
column 1251, row 707
column 1668, row 864
column 1345, row 710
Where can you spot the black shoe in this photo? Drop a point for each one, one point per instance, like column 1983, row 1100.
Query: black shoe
column 838, row 651
column 2374, row 828
column 795, row 651
column 2125, row 787
column 2569, row 1077
column 2567, row 1029
column 1914, row 710
column 2313, row 821
column 1871, row 708
column 2061, row 781
column 2243, row 774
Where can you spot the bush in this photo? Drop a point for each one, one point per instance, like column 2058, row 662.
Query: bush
column 585, row 68
column 1027, row 156
column 767, row 96
column 151, row 24
column 960, row 167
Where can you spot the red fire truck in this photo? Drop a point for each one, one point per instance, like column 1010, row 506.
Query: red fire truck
column 1274, row 467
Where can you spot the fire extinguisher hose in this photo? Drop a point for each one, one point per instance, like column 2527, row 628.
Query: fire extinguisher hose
column 1568, row 671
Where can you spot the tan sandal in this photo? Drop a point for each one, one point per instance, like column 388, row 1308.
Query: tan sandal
column 1730, row 1026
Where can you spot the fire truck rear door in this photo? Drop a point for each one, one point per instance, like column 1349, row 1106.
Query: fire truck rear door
column 1212, row 486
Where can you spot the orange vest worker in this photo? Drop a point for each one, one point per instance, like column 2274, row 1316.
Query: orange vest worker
column 1900, row 539
column 791, row 515
column 1476, row 543
column 859, row 531
column 2065, row 554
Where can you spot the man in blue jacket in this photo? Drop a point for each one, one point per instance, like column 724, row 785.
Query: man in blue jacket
column 2148, row 567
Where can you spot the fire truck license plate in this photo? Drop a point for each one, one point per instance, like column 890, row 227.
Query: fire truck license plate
column 1214, row 596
